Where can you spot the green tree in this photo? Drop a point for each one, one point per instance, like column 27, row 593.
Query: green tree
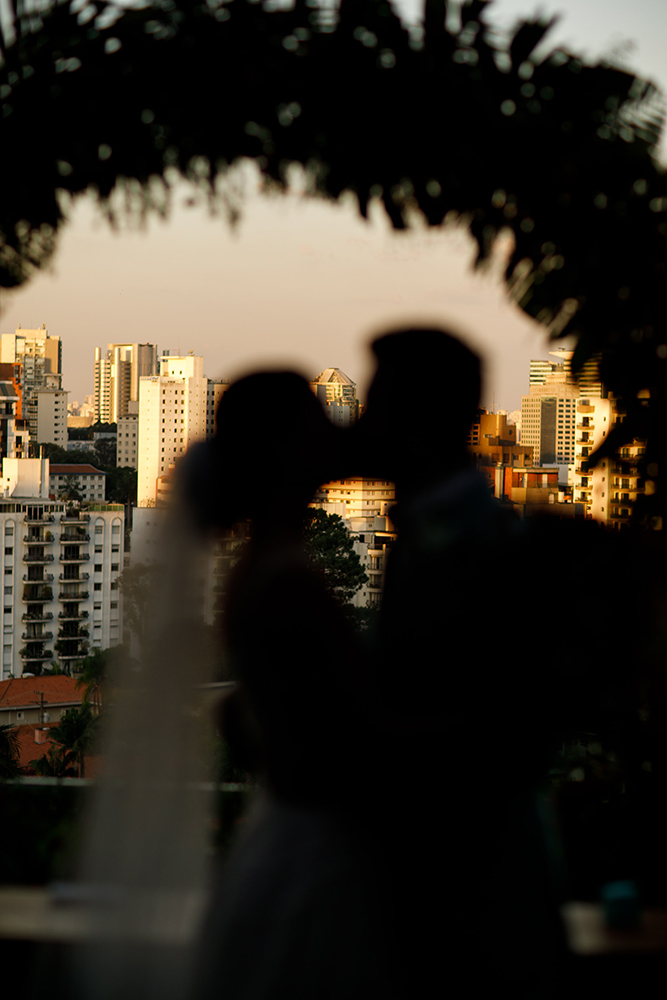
column 56, row 763
column 331, row 551
column 75, row 734
column 105, row 450
column 69, row 490
column 121, row 484
column 9, row 751
column 80, row 434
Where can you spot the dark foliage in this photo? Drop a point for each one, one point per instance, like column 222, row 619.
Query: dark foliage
column 454, row 125
column 331, row 552
column 9, row 765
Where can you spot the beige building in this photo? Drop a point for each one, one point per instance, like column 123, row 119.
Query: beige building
column 609, row 489
column 116, row 378
column 338, row 395
column 37, row 352
column 548, row 412
column 492, row 443
column 127, row 438
column 50, row 416
column 88, row 481
column 173, row 410
column 351, row 498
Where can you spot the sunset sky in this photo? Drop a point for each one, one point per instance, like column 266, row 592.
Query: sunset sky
column 304, row 283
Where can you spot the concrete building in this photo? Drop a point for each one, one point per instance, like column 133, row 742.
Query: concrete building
column 39, row 355
column 14, row 433
column 372, row 537
column 128, row 437
column 47, row 409
column 215, row 390
column 173, row 409
column 87, row 480
column 61, row 568
column 351, row 498
column 609, row 489
column 338, row 395
column 548, row 412
column 116, row 378
column 492, row 443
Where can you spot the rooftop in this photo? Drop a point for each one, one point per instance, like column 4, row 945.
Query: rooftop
column 24, row 692
column 333, row 375
column 75, row 470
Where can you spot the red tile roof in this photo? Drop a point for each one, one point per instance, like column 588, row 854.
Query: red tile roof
column 29, row 750
column 58, row 689
column 75, row 470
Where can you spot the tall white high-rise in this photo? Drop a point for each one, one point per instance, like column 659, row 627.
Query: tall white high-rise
column 172, row 416
column 116, row 378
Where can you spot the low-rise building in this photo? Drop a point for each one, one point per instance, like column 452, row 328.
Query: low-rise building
column 37, row 700
column 86, row 480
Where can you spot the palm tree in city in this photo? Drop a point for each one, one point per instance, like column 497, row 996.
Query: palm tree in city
column 9, row 749
column 75, row 733
column 92, row 672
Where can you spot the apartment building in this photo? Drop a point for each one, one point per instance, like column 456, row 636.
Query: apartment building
column 127, row 439
column 358, row 497
column 116, row 378
column 609, row 489
column 338, row 395
column 39, row 355
column 176, row 409
column 88, row 481
column 60, row 580
column 47, row 412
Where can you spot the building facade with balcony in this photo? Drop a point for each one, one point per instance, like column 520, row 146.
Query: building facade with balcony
column 61, row 569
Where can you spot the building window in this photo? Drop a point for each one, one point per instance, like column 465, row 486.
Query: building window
column 97, row 586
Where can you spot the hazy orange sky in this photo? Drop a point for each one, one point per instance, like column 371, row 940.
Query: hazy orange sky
column 300, row 283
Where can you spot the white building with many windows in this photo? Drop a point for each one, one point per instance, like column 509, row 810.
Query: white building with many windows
column 61, row 568
column 176, row 409
column 88, row 481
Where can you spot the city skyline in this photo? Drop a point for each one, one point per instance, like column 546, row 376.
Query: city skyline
column 302, row 283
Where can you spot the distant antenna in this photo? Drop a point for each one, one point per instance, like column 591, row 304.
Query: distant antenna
column 493, row 404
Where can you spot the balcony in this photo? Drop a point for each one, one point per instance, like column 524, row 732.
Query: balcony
column 37, row 616
column 43, row 557
column 45, row 540
column 73, row 537
column 42, row 519
column 81, row 578
column 36, row 594
column 75, row 517
column 47, row 578
column 71, row 649
column 44, row 637
column 82, row 633
column 81, row 596
column 29, row 654
column 66, row 616
column 82, row 557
